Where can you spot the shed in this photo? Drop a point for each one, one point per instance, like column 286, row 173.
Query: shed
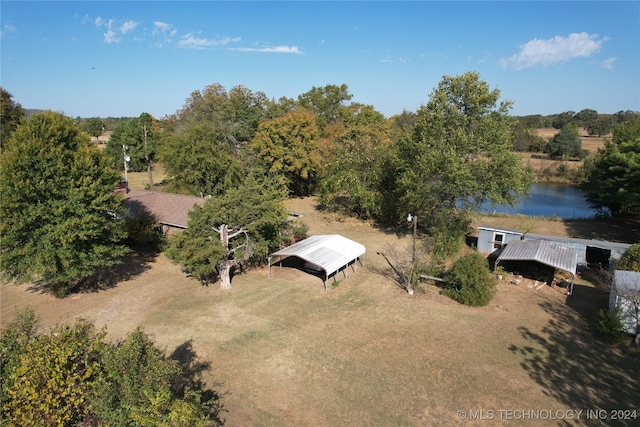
column 324, row 253
column 491, row 238
column 590, row 251
column 544, row 252
column 625, row 294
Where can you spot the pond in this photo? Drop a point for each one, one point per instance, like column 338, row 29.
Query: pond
column 548, row 200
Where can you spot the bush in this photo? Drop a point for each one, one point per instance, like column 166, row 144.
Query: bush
column 631, row 259
column 72, row 376
column 469, row 281
column 610, row 325
column 144, row 231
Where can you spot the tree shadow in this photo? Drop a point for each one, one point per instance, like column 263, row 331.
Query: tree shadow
column 131, row 266
column 578, row 370
column 619, row 229
column 193, row 369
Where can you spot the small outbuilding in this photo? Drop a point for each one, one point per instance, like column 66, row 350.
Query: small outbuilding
column 491, row 238
column 324, row 254
column 544, row 252
column 172, row 210
column 625, row 295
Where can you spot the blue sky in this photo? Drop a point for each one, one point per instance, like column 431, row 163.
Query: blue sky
column 117, row 58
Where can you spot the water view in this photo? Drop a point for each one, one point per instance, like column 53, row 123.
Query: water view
column 549, row 200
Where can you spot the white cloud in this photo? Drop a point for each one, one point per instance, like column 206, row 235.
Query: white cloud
column 128, row 26
column 6, row 28
column 164, row 28
column 273, row 49
column 99, row 22
column 111, row 37
column 557, row 49
column 192, row 42
column 608, row 63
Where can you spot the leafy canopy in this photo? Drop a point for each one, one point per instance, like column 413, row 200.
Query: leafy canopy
column 59, row 217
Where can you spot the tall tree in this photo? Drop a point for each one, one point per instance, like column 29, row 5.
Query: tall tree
column 59, row 218
column 287, row 145
column 131, row 134
column 613, row 178
column 357, row 172
column 93, row 126
column 566, row 144
column 231, row 230
column 326, row 102
column 200, row 161
column 460, row 154
column 11, row 115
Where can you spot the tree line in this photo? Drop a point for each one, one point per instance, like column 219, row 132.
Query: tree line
column 247, row 153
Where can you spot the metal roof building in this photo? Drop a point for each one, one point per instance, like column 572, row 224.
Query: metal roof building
column 544, row 252
column 330, row 252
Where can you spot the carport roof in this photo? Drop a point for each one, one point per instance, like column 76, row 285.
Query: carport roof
column 542, row 251
column 331, row 252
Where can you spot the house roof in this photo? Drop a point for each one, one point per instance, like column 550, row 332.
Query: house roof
column 171, row 209
column 542, row 251
column 498, row 228
column 331, row 252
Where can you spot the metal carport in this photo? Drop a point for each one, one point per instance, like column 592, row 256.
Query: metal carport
column 330, row 252
column 544, row 252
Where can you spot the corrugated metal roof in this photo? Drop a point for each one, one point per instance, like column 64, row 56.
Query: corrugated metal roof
column 498, row 228
column 603, row 244
column 543, row 251
column 331, row 252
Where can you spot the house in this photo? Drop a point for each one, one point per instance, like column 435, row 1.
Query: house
column 172, row 210
column 625, row 294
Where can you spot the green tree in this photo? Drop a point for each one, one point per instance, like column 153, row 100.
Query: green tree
column 131, row 134
column 72, row 376
column 563, row 119
column 53, row 376
column 11, row 115
column 460, row 154
column 627, row 131
column 93, row 126
column 59, row 217
column 357, row 173
column 613, row 177
column 326, row 102
column 232, row 230
column 601, row 126
column 566, row 144
column 470, row 282
column 200, row 161
column 287, row 146
column 585, row 118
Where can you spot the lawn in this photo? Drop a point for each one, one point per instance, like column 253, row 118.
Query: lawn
column 285, row 353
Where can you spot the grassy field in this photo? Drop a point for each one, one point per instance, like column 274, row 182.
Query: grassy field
column 285, row 353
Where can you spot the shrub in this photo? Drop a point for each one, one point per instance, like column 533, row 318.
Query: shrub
column 469, row 281
column 144, row 231
column 631, row 259
column 72, row 376
column 610, row 324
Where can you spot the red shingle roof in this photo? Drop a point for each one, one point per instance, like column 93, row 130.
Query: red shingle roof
column 171, row 209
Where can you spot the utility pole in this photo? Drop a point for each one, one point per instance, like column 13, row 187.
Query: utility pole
column 146, row 157
column 126, row 167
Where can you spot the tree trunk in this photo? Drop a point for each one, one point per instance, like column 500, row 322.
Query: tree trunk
column 224, row 270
